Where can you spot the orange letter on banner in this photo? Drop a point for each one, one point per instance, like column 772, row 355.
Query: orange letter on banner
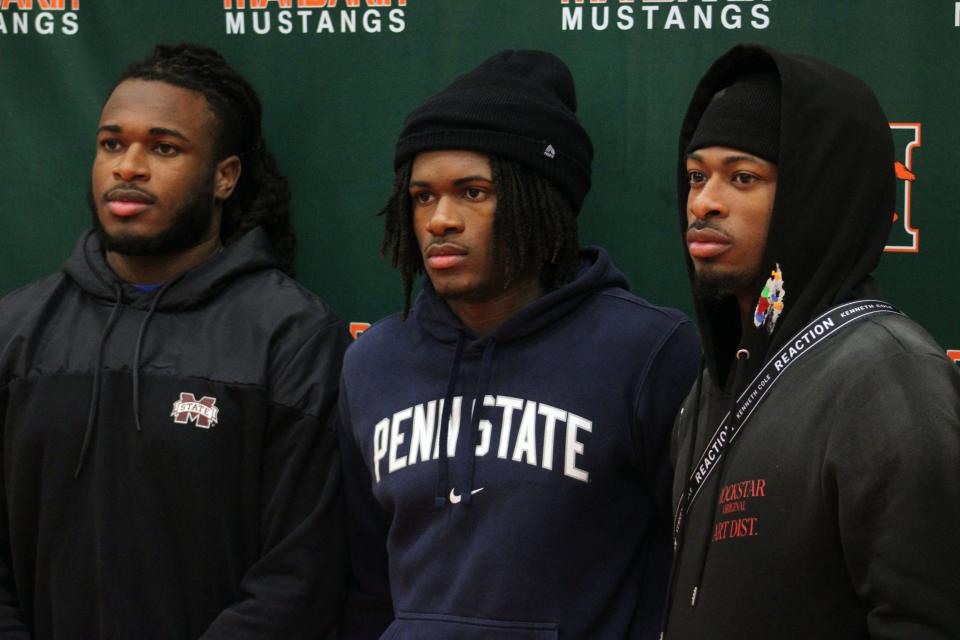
column 51, row 5
column 21, row 4
column 228, row 4
column 357, row 328
column 315, row 4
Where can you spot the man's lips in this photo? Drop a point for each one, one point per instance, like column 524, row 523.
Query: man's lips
column 706, row 243
column 128, row 202
column 444, row 256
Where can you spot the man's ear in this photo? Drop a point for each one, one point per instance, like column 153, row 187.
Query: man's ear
column 225, row 177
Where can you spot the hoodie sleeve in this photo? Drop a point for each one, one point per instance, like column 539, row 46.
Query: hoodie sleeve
column 894, row 464
column 11, row 625
column 369, row 609
column 296, row 587
column 666, row 383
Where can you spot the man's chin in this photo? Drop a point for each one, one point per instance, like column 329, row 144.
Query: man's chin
column 137, row 245
column 711, row 286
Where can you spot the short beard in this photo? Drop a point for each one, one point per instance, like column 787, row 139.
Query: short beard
column 191, row 222
column 712, row 288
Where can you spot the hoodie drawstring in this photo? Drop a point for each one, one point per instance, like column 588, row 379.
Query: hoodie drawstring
column 95, row 391
column 742, row 356
column 679, row 526
column 443, row 467
column 137, row 350
column 477, row 406
column 441, row 499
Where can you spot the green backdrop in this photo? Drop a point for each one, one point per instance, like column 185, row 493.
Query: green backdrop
column 337, row 77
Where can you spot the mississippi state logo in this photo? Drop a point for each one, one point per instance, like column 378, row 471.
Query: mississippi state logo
column 203, row 412
column 770, row 303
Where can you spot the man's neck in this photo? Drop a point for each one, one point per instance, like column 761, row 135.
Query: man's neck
column 159, row 269
column 483, row 317
column 745, row 303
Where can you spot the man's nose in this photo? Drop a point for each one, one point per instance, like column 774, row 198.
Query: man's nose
column 132, row 165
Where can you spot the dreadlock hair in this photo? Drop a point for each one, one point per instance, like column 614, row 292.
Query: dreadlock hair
column 262, row 194
column 534, row 228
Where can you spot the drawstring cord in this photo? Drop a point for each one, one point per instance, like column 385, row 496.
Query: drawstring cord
column 679, row 528
column 742, row 356
column 137, row 351
column 95, row 391
column 477, row 405
column 443, row 469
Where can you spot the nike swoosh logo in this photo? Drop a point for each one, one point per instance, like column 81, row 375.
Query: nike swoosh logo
column 455, row 497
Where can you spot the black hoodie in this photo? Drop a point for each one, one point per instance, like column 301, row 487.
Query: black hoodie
column 168, row 469
column 834, row 512
column 556, row 524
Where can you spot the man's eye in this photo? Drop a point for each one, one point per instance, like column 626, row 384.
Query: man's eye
column 696, row 177
column 744, row 178
column 165, row 149
column 109, row 144
column 422, row 197
column 474, row 193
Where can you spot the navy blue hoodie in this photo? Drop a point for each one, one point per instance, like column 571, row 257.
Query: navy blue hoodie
column 547, row 513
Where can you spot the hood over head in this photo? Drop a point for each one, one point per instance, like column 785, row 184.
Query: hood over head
column 834, row 200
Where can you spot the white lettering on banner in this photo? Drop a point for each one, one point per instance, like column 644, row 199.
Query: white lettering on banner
column 285, row 17
column 680, row 15
column 532, row 444
column 956, row 14
column 39, row 17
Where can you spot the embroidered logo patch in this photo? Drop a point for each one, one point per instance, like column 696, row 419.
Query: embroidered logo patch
column 203, row 412
column 550, row 152
column 770, row 304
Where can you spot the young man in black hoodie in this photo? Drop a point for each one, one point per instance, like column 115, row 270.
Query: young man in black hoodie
column 816, row 487
column 168, row 466
column 505, row 442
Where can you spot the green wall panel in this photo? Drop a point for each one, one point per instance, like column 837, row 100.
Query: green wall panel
column 335, row 98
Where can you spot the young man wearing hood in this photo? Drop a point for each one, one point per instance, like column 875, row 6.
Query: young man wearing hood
column 506, row 442
column 816, row 487
column 169, row 467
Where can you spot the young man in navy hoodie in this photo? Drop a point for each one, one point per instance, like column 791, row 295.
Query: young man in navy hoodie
column 817, row 456
column 169, row 467
column 505, row 440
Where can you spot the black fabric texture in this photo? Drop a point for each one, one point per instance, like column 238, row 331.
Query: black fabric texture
column 831, row 515
column 744, row 116
column 517, row 104
column 230, row 527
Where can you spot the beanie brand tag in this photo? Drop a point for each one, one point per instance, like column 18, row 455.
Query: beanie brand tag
column 550, row 152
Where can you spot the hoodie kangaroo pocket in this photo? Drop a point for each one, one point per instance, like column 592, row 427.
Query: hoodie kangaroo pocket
column 434, row 626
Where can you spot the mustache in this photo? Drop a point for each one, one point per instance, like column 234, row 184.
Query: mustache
column 700, row 225
column 128, row 189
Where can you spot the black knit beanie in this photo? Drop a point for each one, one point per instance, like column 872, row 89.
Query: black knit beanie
column 745, row 116
column 519, row 105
